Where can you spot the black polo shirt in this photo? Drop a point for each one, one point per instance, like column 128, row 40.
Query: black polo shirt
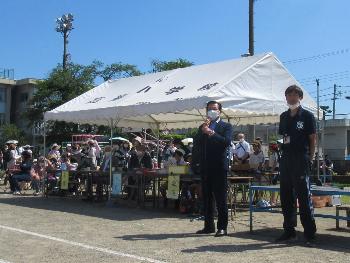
column 298, row 128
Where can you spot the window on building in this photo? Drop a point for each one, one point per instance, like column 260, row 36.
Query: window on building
column 24, row 97
column 2, row 94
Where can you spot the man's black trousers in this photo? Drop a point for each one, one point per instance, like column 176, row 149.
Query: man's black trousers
column 294, row 179
column 214, row 188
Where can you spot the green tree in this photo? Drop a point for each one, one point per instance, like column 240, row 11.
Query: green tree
column 158, row 65
column 60, row 87
column 63, row 85
column 11, row 132
column 119, row 70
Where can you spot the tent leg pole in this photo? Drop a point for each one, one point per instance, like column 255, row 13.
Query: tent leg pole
column 254, row 132
column 44, row 184
column 158, row 135
column 110, row 165
column 44, row 148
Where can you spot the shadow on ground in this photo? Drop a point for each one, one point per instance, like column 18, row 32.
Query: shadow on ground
column 99, row 210
column 265, row 238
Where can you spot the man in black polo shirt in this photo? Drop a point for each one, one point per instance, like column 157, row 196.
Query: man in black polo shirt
column 298, row 128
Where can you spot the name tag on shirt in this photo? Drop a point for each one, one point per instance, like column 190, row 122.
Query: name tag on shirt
column 286, row 140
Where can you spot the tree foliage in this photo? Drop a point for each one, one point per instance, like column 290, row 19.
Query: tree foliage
column 158, row 65
column 119, row 70
column 60, row 87
column 11, row 132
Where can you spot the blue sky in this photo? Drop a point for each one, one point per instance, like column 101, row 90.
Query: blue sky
column 202, row 31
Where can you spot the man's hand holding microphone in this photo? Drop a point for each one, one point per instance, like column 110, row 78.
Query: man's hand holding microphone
column 205, row 128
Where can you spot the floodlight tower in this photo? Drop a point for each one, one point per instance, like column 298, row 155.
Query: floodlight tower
column 64, row 25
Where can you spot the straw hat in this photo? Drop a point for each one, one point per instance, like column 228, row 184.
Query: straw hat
column 12, row 142
column 137, row 138
column 55, row 145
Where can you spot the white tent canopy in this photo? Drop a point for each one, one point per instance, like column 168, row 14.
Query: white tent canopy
column 251, row 90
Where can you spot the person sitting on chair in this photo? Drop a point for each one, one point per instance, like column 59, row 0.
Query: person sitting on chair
column 328, row 165
column 39, row 172
column 23, row 175
column 178, row 158
column 256, row 163
column 257, row 159
column 242, row 149
column 140, row 158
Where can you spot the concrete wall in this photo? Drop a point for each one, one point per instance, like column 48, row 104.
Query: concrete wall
column 19, row 106
column 14, row 106
column 336, row 139
column 7, row 85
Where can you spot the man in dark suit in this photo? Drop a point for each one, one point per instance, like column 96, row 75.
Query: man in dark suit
column 213, row 141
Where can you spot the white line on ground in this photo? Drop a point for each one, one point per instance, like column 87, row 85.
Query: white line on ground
column 99, row 249
column 3, row 261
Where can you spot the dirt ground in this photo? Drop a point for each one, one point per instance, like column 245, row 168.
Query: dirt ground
column 36, row 229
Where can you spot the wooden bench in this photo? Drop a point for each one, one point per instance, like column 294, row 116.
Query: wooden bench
column 344, row 208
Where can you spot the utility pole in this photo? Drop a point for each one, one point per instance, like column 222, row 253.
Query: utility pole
column 251, row 27
column 318, row 129
column 334, row 98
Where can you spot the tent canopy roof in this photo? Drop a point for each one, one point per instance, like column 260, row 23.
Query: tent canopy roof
column 251, row 90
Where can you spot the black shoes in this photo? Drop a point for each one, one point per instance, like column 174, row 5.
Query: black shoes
column 205, row 231
column 310, row 241
column 221, row 233
column 292, row 237
column 286, row 237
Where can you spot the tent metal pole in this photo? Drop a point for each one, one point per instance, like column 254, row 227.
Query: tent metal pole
column 110, row 164
column 227, row 117
column 44, row 184
column 318, row 130
column 254, row 132
column 158, row 133
column 44, row 138
column 323, row 152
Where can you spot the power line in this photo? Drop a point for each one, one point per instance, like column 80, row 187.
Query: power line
column 324, row 95
column 328, row 79
column 340, row 86
column 326, row 100
column 321, row 90
column 319, row 56
column 332, row 97
column 325, row 75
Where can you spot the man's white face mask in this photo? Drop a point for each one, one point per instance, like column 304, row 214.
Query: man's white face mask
column 294, row 106
column 213, row 114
